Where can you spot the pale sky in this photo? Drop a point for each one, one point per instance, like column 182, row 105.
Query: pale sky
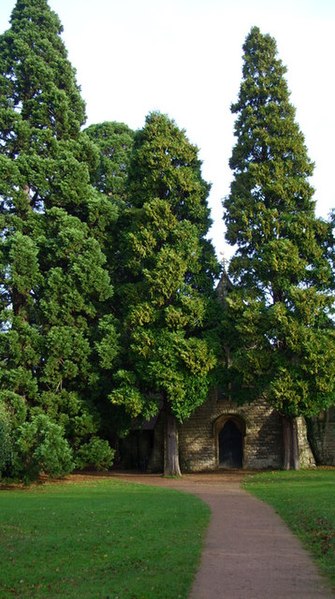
column 183, row 57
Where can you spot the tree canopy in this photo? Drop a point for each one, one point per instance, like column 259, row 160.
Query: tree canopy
column 107, row 303
column 115, row 142
column 280, row 308
column 169, row 269
column 54, row 276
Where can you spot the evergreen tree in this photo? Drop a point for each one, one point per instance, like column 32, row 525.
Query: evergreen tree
column 115, row 142
column 53, row 275
column 279, row 311
column 168, row 270
column 109, row 176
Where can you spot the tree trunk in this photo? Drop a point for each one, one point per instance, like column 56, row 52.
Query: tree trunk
column 19, row 303
column 291, row 446
column 171, row 445
column 286, row 443
column 295, row 465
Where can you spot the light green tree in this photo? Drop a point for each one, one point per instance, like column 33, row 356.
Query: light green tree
column 168, row 270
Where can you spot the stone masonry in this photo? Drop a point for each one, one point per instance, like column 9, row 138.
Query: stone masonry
column 260, row 429
column 321, row 431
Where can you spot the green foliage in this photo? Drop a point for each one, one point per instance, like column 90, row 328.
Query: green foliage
column 128, row 394
column 166, row 276
column 6, row 440
column 96, row 454
column 78, row 416
column 107, row 344
column 14, row 406
column 76, row 283
column 13, row 412
column 54, row 279
column 25, row 271
column 165, row 165
column 278, row 311
column 41, row 448
column 115, row 142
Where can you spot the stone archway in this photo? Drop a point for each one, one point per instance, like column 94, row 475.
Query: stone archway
column 230, row 431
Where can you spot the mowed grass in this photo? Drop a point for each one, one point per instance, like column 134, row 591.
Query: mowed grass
column 99, row 539
column 306, row 501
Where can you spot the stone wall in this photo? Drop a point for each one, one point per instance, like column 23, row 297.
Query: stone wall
column 321, row 434
column 262, row 435
column 261, row 429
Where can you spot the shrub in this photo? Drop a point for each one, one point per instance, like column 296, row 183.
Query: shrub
column 96, row 454
column 6, row 443
column 15, row 407
column 41, row 448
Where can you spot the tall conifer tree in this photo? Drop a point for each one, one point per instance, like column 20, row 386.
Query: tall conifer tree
column 168, row 269
column 282, row 339
column 53, row 270
column 109, row 176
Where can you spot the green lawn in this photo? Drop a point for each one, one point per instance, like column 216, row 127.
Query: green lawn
column 306, row 501
column 99, row 539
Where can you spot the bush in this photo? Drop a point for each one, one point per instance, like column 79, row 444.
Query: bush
column 96, row 454
column 6, row 443
column 41, row 448
column 13, row 411
column 15, row 407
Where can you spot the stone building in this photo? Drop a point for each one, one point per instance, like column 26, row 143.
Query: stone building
column 221, row 434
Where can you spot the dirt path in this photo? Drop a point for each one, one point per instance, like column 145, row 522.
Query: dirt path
column 249, row 552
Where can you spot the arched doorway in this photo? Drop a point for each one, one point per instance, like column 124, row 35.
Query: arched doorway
column 230, row 441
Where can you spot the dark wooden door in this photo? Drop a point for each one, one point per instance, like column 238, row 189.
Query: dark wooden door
column 230, row 446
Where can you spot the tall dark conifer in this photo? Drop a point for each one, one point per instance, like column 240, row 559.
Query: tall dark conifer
column 109, row 177
column 53, row 270
column 279, row 310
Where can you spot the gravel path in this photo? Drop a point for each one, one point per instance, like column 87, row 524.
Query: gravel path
column 249, row 552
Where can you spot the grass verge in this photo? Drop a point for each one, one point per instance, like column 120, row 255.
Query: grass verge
column 99, row 539
column 305, row 500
